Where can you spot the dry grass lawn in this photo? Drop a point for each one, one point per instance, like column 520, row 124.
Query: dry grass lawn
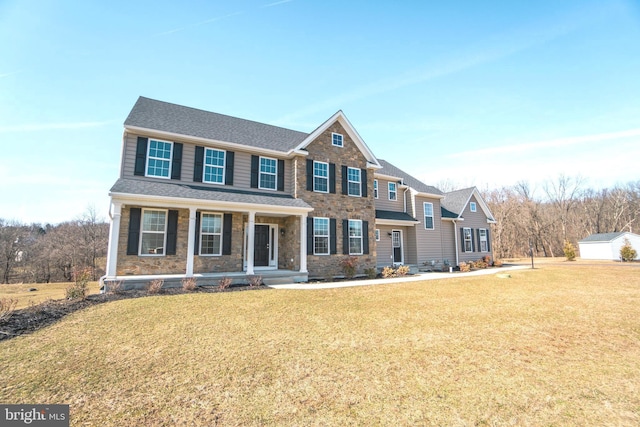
column 44, row 292
column 552, row 346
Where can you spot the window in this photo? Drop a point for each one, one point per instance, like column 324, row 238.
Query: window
column 468, row 244
column 214, row 166
column 393, row 192
column 152, row 236
column 321, row 236
column 210, row 234
column 375, row 188
column 353, row 177
column 377, row 234
column 355, row 237
column 321, row 177
column 336, row 139
column 268, row 172
column 472, row 206
column 482, row 233
column 428, row 215
column 159, row 158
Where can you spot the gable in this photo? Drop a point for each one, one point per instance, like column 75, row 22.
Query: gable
column 322, row 148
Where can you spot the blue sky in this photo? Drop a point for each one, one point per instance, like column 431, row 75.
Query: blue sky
column 484, row 93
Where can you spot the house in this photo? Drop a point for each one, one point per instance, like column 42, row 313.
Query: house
column 606, row 246
column 206, row 195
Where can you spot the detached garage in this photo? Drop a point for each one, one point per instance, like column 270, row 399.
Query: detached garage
column 607, row 245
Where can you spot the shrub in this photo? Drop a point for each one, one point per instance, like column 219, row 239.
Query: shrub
column 349, row 265
column 154, row 286
column 7, row 307
column 497, row 263
column 115, row 288
column 388, row 272
column 189, row 284
column 402, row 270
column 487, row 260
column 371, row 273
column 627, row 253
column 464, row 267
column 480, row 264
column 78, row 290
column 224, row 283
column 569, row 251
column 254, row 281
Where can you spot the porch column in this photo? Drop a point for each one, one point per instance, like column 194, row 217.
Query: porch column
column 114, row 234
column 303, row 243
column 251, row 230
column 191, row 241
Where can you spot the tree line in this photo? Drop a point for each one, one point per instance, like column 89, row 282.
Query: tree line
column 562, row 210
column 44, row 253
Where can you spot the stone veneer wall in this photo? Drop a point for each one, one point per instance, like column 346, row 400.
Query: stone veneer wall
column 337, row 205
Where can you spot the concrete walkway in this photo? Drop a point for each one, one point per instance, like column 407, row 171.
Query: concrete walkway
column 415, row 278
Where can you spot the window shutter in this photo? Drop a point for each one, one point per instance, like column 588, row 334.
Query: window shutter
column 363, row 182
column 332, row 178
column 309, row 235
column 196, row 246
column 176, row 163
column 198, row 165
column 462, row 239
column 309, row 175
column 280, row 175
column 172, row 232
column 333, row 237
column 228, row 165
column 255, row 161
column 345, row 186
column 134, row 231
column 488, row 241
column 227, row 224
column 478, row 248
column 473, row 241
column 365, row 237
column 141, row 157
column 345, row 236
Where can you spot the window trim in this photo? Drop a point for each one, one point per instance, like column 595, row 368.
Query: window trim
column 333, row 139
column 361, row 237
column 200, row 233
column 359, row 182
column 204, row 166
column 328, row 235
column 485, row 241
column 142, row 232
column 424, row 210
column 473, row 207
column 275, row 174
column 320, row 177
column 375, row 188
column 394, row 191
column 470, row 240
column 170, row 159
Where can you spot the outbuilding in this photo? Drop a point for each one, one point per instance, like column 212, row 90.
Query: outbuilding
column 607, row 246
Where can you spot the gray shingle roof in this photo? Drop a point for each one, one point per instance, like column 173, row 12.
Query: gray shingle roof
column 391, row 170
column 189, row 191
column 163, row 116
column 602, row 237
column 456, row 201
column 396, row 216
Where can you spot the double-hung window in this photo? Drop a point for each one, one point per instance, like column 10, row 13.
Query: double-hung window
column 210, row 234
column 268, row 173
column 473, row 207
column 336, row 139
column 214, row 166
column 353, row 177
column 321, row 236
column 355, row 237
column 375, row 188
column 428, row 216
column 468, row 243
column 482, row 234
column 321, row 177
column 153, row 232
column 159, row 158
column 393, row 191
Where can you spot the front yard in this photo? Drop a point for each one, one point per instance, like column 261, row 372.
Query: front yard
column 552, row 346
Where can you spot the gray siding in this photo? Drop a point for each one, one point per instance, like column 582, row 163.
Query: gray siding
column 473, row 220
column 449, row 242
column 383, row 202
column 384, row 249
column 428, row 242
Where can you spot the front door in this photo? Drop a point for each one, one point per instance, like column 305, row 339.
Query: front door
column 261, row 246
column 396, row 240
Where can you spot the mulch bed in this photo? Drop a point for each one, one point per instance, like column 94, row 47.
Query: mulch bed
column 30, row 319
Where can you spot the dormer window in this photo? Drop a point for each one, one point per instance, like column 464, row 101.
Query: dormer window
column 336, row 139
column 159, row 159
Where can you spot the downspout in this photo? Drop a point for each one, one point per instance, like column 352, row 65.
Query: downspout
column 455, row 234
column 405, row 199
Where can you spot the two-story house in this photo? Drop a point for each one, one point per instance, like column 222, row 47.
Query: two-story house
column 205, row 195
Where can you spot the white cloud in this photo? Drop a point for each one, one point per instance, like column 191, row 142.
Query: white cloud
column 277, row 3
